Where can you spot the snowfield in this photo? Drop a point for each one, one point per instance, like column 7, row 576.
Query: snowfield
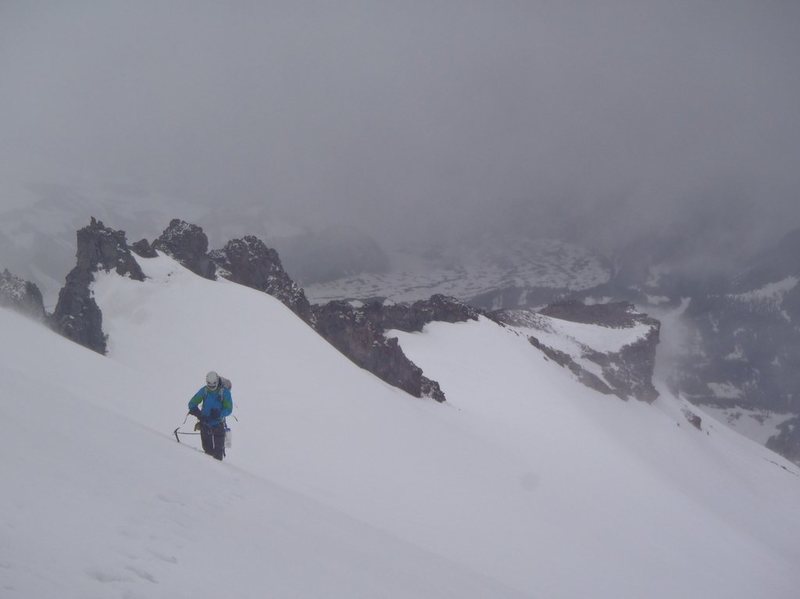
column 524, row 484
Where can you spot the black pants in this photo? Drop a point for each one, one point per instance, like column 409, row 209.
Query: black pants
column 213, row 438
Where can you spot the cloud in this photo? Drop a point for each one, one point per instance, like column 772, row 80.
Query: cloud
column 596, row 120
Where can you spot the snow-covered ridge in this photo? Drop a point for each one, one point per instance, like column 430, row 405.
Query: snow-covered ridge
column 610, row 348
column 524, row 484
column 575, row 337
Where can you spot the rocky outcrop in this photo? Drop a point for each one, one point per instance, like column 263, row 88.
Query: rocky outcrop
column 188, row 244
column 413, row 317
column 356, row 332
column 693, row 418
column 613, row 315
column 350, row 331
column 248, row 261
column 565, row 360
column 144, row 249
column 77, row 315
column 360, row 334
column 629, row 371
column 626, row 372
column 21, row 295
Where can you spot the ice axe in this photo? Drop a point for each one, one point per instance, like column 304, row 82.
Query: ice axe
column 178, row 430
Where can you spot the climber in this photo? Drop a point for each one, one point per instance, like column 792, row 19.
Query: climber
column 217, row 404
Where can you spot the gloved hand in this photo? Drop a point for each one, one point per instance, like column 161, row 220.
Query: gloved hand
column 214, row 415
column 195, row 412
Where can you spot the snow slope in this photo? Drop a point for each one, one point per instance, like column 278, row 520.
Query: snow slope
column 95, row 505
column 523, row 480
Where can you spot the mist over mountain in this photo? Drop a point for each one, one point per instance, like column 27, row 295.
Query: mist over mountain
column 415, row 122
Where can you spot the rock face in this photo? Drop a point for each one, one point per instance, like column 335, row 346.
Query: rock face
column 356, row 332
column 144, row 249
column 563, row 359
column 412, row 318
column 360, row 334
column 350, row 331
column 188, row 244
column 625, row 371
column 613, row 315
column 629, row 371
column 248, row 261
column 77, row 315
column 21, row 295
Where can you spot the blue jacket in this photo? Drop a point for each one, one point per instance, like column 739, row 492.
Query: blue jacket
column 219, row 400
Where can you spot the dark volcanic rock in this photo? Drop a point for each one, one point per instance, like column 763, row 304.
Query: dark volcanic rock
column 103, row 248
column 188, row 244
column 412, row 318
column 250, row 262
column 693, row 419
column 351, row 332
column 356, row 332
column 359, row 333
column 629, row 372
column 77, row 315
column 144, row 249
column 564, row 359
column 21, row 295
column 615, row 314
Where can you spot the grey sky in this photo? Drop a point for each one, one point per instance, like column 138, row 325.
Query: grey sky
column 585, row 117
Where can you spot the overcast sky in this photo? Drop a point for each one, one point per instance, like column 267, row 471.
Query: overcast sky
column 587, row 118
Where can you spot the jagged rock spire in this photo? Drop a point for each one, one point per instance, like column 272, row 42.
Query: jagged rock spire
column 77, row 316
column 188, row 244
column 248, row 261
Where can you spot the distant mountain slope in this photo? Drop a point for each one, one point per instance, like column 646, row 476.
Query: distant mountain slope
column 744, row 357
column 523, row 273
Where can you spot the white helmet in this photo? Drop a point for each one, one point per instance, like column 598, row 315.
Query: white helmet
column 212, row 380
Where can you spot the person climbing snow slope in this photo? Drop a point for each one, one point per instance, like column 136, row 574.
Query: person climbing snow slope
column 211, row 405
